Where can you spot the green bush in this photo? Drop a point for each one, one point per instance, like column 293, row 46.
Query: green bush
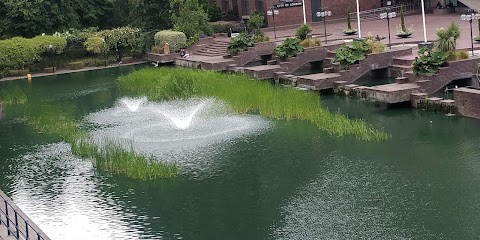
column 177, row 40
column 290, row 47
column 124, row 40
column 189, row 17
column 349, row 23
column 240, row 43
column 255, row 22
column 458, row 55
column 303, row 31
column 374, row 46
column 310, row 42
column 428, row 61
column 401, row 28
column 48, row 43
column 447, row 38
column 259, row 36
column 348, row 55
column 96, row 45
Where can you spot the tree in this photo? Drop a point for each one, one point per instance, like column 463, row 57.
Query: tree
column 189, row 17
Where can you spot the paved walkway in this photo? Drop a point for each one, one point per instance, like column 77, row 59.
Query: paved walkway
column 334, row 30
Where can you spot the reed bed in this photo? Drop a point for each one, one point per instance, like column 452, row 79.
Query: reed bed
column 12, row 95
column 108, row 155
column 245, row 96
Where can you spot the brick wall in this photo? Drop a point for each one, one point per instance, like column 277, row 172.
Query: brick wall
column 294, row 15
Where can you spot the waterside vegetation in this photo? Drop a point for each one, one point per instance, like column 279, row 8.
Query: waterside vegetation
column 107, row 155
column 245, row 96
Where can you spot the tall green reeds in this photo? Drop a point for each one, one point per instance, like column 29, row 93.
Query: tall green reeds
column 108, row 155
column 245, row 96
column 12, row 95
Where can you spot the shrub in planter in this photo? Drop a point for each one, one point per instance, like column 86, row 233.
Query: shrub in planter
column 402, row 30
column 290, row 47
column 259, row 36
column 239, row 43
column 374, row 45
column 349, row 30
column 310, row 42
column 447, row 38
column 477, row 38
column 428, row 61
column 303, row 31
column 177, row 40
column 75, row 65
column 255, row 22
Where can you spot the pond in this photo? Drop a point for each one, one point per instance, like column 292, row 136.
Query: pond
column 249, row 178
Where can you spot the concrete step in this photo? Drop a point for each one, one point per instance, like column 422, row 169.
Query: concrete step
column 403, row 61
column 401, row 80
column 405, row 67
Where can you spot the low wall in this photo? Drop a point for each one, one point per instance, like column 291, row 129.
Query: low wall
column 162, row 58
column 258, row 49
column 467, row 101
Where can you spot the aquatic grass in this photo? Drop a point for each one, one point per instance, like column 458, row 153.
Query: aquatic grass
column 107, row 154
column 112, row 157
column 12, row 95
column 245, row 95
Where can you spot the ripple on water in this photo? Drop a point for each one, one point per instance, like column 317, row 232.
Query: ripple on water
column 349, row 202
column 62, row 195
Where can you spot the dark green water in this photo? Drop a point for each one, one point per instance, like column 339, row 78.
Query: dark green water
column 290, row 181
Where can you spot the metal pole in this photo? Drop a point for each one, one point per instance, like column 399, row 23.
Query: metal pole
column 16, row 224
column 358, row 21
column 471, row 33
column 423, row 18
column 388, row 23
column 274, row 30
column 304, row 14
column 325, row 26
column 6, row 216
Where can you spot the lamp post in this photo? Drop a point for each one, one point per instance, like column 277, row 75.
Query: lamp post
column 358, row 21
column 388, row 14
column 473, row 14
column 272, row 12
column 323, row 13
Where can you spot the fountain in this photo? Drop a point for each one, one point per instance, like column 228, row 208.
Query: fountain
column 180, row 118
column 178, row 130
column 133, row 103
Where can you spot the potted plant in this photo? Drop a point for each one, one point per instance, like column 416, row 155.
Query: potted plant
column 477, row 38
column 402, row 30
column 349, row 30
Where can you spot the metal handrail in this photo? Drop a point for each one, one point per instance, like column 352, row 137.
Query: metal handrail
column 372, row 14
column 14, row 221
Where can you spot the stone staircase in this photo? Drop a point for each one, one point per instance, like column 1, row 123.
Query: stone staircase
column 215, row 49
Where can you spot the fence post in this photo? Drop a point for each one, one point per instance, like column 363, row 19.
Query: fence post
column 16, row 223
column 6, row 215
column 26, row 229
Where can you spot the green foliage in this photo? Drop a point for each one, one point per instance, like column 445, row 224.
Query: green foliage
column 310, row 42
column 17, row 51
column 348, row 55
column 428, row 61
column 96, row 45
column 458, row 55
column 374, row 46
column 246, row 96
column 12, row 94
column 259, row 36
column 447, row 38
column 240, row 43
column 189, row 17
column 255, row 22
column 123, row 40
column 111, row 157
column 401, row 28
column 108, row 155
column 303, row 31
column 290, row 47
column 213, row 11
column 177, row 40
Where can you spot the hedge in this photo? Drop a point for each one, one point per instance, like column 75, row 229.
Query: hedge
column 17, row 51
column 176, row 40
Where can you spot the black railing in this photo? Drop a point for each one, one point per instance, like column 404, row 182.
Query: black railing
column 374, row 14
column 17, row 223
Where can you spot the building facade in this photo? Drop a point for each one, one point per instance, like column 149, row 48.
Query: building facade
column 291, row 11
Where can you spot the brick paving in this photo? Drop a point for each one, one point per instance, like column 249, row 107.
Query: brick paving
column 334, row 30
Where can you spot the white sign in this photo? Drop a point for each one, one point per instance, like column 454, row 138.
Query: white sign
column 269, row 13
